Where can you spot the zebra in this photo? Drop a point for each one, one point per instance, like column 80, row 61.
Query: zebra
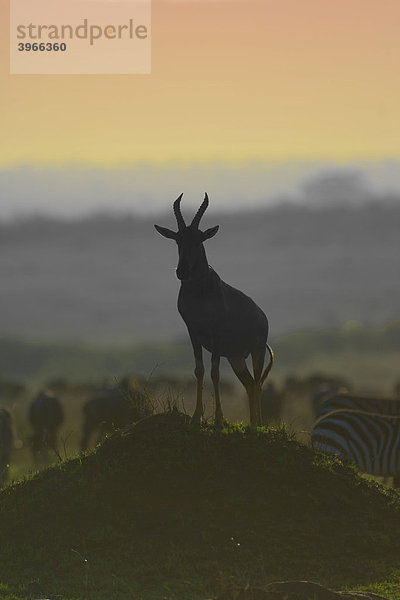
column 362, row 430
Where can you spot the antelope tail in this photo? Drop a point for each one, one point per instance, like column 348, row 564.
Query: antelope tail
column 269, row 365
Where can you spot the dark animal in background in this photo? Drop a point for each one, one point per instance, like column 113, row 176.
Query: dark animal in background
column 362, row 430
column 271, row 404
column 46, row 416
column 219, row 318
column 6, row 442
column 112, row 408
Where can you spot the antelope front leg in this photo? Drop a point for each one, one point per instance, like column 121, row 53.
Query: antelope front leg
column 199, row 374
column 215, row 358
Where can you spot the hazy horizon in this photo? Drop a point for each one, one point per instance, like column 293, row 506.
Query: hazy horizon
column 77, row 191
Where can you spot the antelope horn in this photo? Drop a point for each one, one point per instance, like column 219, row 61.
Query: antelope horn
column 178, row 214
column 200, row 212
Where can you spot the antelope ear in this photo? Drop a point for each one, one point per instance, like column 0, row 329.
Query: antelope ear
column 166, row 232
column 209, row 233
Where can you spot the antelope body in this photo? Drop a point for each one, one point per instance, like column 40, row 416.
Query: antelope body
column 219, row 317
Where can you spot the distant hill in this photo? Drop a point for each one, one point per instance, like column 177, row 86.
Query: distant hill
column 113, row 279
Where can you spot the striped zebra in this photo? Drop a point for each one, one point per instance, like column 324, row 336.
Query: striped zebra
column 362, row 430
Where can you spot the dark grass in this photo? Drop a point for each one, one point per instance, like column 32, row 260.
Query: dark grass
column 185, row 513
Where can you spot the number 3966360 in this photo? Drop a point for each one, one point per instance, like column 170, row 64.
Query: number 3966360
column 42, row 47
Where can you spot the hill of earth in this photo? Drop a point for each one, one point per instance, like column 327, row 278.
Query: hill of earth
column 162, row 510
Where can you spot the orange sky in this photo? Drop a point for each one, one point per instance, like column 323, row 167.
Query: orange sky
column 231, row 81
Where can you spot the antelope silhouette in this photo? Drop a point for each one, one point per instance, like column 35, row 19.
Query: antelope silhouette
column 219, row 317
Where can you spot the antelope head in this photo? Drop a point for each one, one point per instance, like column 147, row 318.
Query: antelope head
column 192, row 257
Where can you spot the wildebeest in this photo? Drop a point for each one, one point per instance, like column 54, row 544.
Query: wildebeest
column 219, row 318
column 6, row 442
column 111, row 408
column 46, row 415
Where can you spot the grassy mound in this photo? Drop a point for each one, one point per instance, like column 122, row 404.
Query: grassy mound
column 171, row 512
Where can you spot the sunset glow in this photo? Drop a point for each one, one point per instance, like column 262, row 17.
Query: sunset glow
column 231, row 81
